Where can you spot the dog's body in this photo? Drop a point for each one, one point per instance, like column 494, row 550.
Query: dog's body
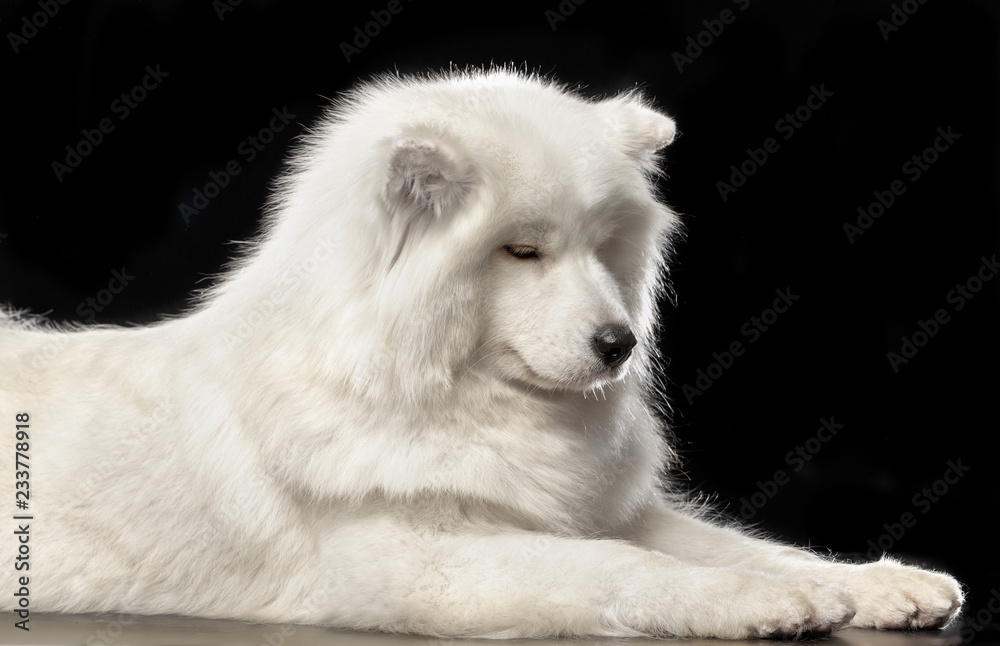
column 412, row 406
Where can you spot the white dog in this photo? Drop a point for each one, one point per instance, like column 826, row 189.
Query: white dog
column 420, row 403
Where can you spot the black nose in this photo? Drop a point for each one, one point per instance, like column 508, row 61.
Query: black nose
column 613, row 343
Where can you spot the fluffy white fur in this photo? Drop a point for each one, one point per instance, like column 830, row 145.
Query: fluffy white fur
column 391, row 414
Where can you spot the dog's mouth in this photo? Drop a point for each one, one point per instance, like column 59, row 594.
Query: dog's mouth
column 581, row 382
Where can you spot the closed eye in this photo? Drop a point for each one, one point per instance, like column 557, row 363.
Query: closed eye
column 521, row 251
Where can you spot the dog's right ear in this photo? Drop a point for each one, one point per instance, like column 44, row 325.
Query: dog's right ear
column 426, row 174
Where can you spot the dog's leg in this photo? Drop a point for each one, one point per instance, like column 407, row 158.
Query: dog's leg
column 536, row 585
column 887, row 594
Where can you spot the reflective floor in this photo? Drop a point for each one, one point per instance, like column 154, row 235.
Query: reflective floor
column 184, row 631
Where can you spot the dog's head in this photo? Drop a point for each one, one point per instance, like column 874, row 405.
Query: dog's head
column 514, row 231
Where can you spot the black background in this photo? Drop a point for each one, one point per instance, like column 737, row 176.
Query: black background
column 826, row 357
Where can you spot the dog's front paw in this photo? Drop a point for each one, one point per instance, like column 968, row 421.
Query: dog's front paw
column 730, row 604
column 797, row 609
column 892, row 596
column 706, row 602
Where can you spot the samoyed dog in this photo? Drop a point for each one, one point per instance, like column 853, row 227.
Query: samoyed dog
column 420, row 403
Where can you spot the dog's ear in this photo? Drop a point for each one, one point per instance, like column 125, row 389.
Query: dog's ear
column 655, row 131
column 426, row 174
column 642, row 129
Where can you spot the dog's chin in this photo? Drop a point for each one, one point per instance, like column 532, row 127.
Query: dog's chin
column 579, row 381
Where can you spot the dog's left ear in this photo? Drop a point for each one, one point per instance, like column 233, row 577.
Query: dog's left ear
column 656, row 130
column 427, row 174
column 642, row 129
